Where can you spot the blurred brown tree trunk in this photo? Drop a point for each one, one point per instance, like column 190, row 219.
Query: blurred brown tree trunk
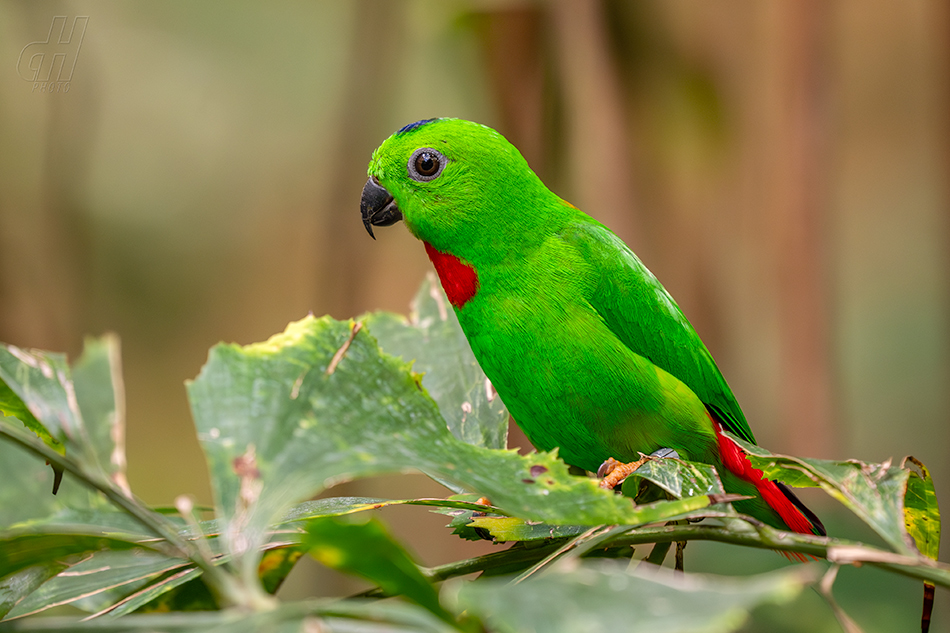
column 796, row 209
column 597, row 170
column 598, row 158
column 512, row 40
column 348, row 262
column 44, row 246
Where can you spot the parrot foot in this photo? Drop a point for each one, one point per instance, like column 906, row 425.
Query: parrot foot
column 614, row 471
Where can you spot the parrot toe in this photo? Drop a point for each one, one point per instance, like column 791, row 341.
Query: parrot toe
column 608, row 466
column 615, row 471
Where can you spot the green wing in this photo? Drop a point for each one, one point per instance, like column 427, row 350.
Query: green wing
column 642, row 314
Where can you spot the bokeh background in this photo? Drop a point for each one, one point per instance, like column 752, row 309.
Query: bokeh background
column 781, row 165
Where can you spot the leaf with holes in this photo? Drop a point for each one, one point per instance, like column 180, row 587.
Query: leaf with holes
column 874, row 492
column 921, row 513
column 319, row 404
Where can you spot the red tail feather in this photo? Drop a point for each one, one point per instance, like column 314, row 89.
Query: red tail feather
column 736, row 461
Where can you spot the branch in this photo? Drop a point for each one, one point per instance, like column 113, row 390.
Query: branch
column 760, row 536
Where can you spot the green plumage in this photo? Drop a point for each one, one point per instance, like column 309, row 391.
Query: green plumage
column 587, row 350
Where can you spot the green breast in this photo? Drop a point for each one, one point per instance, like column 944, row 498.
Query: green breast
column 566, row 378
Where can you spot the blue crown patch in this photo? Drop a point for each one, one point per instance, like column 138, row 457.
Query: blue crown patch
column 413, row 126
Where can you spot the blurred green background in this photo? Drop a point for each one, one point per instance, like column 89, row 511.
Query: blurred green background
column 781, row 165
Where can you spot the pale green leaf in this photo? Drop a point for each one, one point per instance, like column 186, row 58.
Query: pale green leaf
column 26, row 547
column 99, row 580
column 41, row 382
column 16, row 586
column 605, row 597
column 97, row 377
column 26, row 492
column 338, row 506
column 326, row 616
column 432, row 340
column 82, row 400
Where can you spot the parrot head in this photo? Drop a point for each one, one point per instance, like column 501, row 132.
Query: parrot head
column 455, row 184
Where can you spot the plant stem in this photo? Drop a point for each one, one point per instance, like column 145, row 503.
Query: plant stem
column 762, row 537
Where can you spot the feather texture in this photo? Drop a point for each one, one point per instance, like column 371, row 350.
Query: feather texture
column 586, row 348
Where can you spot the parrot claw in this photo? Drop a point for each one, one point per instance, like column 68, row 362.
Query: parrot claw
column 612, row 472
column 607, row 467
column 664, row 453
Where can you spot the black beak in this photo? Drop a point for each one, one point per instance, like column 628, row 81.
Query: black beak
column 378, row 207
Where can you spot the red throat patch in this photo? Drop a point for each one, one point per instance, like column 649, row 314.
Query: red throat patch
column 459, row 280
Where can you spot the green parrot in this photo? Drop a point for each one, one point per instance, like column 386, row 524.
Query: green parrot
column 584, row 346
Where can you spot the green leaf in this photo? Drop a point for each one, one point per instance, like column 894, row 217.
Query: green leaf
column 16, row 586
column 677, row 477
column 120, row 582
column 37, row 386
column 605, row 597
column 76, row 407
column 32, row 390
column 184, row 590
column 921, row 514
column 91, row 534
column 106, row 520
column 874, row 492
column 369, row 551
column 338, row 506
column 515, row 529
column 382, row 617
column 12, row 406
column 84, row 403
column 332, row 616
column 27, row 484
column 124, row 581
column 24, row 548
column 97, row 377
column 276, row 564
column 503, row 529
column 99, row 580
column 319, row 404
column 433, row 341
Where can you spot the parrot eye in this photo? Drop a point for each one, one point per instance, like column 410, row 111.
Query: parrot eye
column 426, row 164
